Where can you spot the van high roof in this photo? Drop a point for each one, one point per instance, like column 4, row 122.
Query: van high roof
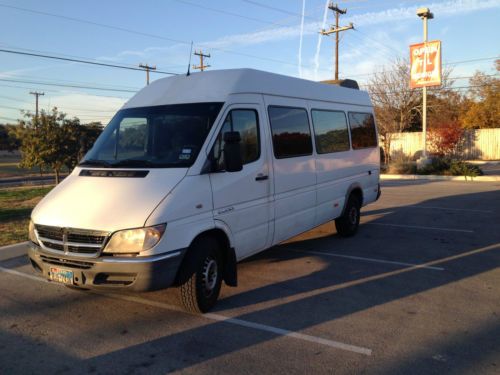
column 217, row 85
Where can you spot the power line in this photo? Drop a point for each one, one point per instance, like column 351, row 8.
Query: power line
column 228, row 13
column 104, row 59
column 449, row 78
column 386, row 46
column 24, row 88
column 130, row 31
column 81, row 61
column 59, row 80
column 65, row 85
column 9, row 118
column 278, row 9
column 448, row 63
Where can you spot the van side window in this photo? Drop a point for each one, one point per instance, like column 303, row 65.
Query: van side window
column 246, row 122
column 363, row 133
column 291, row 133
column 330, row 131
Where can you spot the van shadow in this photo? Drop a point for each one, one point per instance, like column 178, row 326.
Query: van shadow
column 335, row 289
column 339, row 289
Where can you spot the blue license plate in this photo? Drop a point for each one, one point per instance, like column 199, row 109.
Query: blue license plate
column 61, row 275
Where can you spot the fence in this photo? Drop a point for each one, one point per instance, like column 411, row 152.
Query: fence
column 480, row 144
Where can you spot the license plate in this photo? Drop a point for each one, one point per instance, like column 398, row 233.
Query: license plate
column 61, row 275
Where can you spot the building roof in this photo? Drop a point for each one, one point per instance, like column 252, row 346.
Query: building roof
column 217, row 85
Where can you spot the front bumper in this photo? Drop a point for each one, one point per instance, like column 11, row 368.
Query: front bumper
column 106, row 272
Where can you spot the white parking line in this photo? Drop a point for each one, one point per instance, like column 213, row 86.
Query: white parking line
column 420, row 227
column 370, row 259
column 22, row 274
column 217, row 317
column 450, row 209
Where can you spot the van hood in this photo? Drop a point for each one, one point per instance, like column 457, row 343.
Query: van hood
column 106, row 199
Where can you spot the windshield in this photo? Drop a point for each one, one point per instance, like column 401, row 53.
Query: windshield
column 167, row 136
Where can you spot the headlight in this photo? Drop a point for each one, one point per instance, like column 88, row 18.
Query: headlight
column 31, row 232
column 135, row 240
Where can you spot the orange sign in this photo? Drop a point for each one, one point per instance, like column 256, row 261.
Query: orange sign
column 425, row 64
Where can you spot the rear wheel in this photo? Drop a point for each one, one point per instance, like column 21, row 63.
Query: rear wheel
column 201, row 276
column 347, row 225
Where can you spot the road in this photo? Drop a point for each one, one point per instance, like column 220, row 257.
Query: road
column 416, row 291
column 28, row 180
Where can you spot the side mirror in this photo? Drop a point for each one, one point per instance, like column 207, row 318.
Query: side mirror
column 232, row 152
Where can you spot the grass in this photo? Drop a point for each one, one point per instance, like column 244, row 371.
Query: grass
column 16, row 205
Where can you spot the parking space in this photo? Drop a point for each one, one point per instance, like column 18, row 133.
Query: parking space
column 415, row 291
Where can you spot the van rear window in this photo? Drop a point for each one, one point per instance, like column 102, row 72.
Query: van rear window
column 330, row 131
column 363, row 133
column 291, row 132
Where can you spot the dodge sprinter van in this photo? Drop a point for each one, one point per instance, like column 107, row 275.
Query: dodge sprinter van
column 198, row 172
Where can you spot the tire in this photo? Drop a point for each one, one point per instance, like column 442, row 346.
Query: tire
column 347, row 224
column 201, row 276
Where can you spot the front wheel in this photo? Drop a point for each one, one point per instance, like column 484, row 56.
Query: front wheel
column 347, row 225
column 201, row 288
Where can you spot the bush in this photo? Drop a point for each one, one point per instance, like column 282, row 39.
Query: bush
column 460, row 168
column 450, row 167
column 436, row 166
column 446, row 139
column 401, row 164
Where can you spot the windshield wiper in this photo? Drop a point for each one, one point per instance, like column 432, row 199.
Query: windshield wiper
column 95, row 163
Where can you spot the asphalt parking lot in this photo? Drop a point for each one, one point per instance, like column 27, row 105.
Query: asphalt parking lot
column 416, row 291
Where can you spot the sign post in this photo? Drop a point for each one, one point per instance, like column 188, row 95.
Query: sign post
column 425, row 70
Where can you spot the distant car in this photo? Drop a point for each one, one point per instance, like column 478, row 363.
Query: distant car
column 198, row 172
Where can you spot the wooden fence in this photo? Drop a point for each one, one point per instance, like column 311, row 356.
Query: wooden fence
column 480, row 144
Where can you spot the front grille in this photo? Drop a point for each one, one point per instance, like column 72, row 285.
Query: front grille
column 66, row 262
column 78, row 242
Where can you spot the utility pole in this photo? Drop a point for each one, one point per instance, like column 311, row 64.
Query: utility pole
column 336, row 30
column 37, row 94
column 201, row 55
column 424, row 14
column 147, row 68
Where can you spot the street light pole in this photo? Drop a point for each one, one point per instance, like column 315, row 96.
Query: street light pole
column 424, row 14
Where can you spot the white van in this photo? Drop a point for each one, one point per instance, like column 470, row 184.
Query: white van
column 197, row 172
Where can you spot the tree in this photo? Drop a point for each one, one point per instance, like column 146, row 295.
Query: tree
column 399, row 108
column 445, row 107
column 484, row 107
column 396, row 105
column 88, row 135
column 53, row 141
column 8, row 139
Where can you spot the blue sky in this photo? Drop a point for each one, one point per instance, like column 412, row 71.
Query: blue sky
column 259, row 34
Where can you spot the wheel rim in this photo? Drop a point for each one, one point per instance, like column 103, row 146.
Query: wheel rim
column 209, row 275
column 353, row 215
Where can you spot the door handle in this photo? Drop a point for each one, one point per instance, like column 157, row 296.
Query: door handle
column 261, row 177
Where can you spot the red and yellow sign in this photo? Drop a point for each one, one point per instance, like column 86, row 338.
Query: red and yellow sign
column 425, row 64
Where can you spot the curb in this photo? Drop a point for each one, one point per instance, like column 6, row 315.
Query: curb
column 438, row 178
column 6, row 247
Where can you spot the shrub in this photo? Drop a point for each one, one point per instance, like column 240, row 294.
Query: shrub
column 437, row 165
column 446, row 140
column 401, row 164
column 460, row 168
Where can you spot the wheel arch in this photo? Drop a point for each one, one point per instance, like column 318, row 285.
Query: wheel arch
column 229, row 262
column 354, row 189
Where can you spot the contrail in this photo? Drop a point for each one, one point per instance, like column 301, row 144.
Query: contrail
column 301, row 35
column 320, row 38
